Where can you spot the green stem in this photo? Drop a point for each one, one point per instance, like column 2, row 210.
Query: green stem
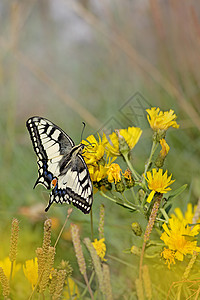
column 120, row 260
column 165, row 215
column 70, row 296
column 11, row 270
column 91, row 225
column 86, row 288
column 61, row 231
column 136, row 207
column 134, row 197
column 153, row 149
column 135, row 174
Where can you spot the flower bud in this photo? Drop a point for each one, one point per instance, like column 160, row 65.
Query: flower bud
column 135, row 250
column 136, row 228
column 120, row 187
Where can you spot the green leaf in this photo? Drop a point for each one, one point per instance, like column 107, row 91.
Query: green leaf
column 174, row 193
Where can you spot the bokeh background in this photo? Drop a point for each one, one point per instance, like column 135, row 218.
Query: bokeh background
column 101, row 62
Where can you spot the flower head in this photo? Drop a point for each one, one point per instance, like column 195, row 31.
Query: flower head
column 180, row 238
column 100, row 248
column 131, row 135
column 97, row 173
column 122, row 139
column 114, row 173
column 6, row 266
column 31, row 271
column 160, row 120
column 94, row 149
column 158, row 182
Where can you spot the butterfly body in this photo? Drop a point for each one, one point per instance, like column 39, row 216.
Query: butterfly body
column 61, row 166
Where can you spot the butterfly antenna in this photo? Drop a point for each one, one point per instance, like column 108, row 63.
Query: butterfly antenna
column 82, row 130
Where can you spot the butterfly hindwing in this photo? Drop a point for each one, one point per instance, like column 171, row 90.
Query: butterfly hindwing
column 61, row 167
column 74, row 186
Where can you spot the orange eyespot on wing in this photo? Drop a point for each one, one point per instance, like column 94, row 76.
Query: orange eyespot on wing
column 54, row 182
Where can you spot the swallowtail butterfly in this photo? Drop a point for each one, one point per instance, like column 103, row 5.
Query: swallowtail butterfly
column 61, row 166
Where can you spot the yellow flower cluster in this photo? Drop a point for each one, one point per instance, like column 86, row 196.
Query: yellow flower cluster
column 100, row 155
column 179, row 236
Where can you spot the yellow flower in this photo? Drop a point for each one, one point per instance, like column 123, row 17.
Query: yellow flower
column 31, row 271
column 158, row 182
column 113, row 147
column 100, row 248
column 188, row 216
column 160, row 120
column 114, row 173
column 130, row 136
column 97, row 172
column 6, row 266
column 94, row 150
column 168, row 255
column 71, row 290
column 180, row 238
column 165, row 148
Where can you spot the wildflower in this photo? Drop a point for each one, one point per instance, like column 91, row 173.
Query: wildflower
column 100, row 248
column 165, row 148
column 131, row 135
column 114, row 173
column 180, row 238
column 188, row 216
column 71, row 290
column 94, row 150
column 158, row 182
column 112, row 147
column 163, row 153
column 160, row 120
column 6, row 266
column 98, row 172
column 168, row 255
column 31, row 271
column 116, row 145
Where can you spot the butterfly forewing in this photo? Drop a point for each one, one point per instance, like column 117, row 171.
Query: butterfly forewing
column 60, row 165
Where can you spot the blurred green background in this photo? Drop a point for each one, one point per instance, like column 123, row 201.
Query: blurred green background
column 104, row 63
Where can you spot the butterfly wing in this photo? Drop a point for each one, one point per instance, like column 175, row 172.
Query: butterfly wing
column 60, row 166
column 50, row 143
column 74, row 185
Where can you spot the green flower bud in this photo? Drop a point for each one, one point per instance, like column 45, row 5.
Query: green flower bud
column 135, row 250
column 120, row 187
column 137, row 230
